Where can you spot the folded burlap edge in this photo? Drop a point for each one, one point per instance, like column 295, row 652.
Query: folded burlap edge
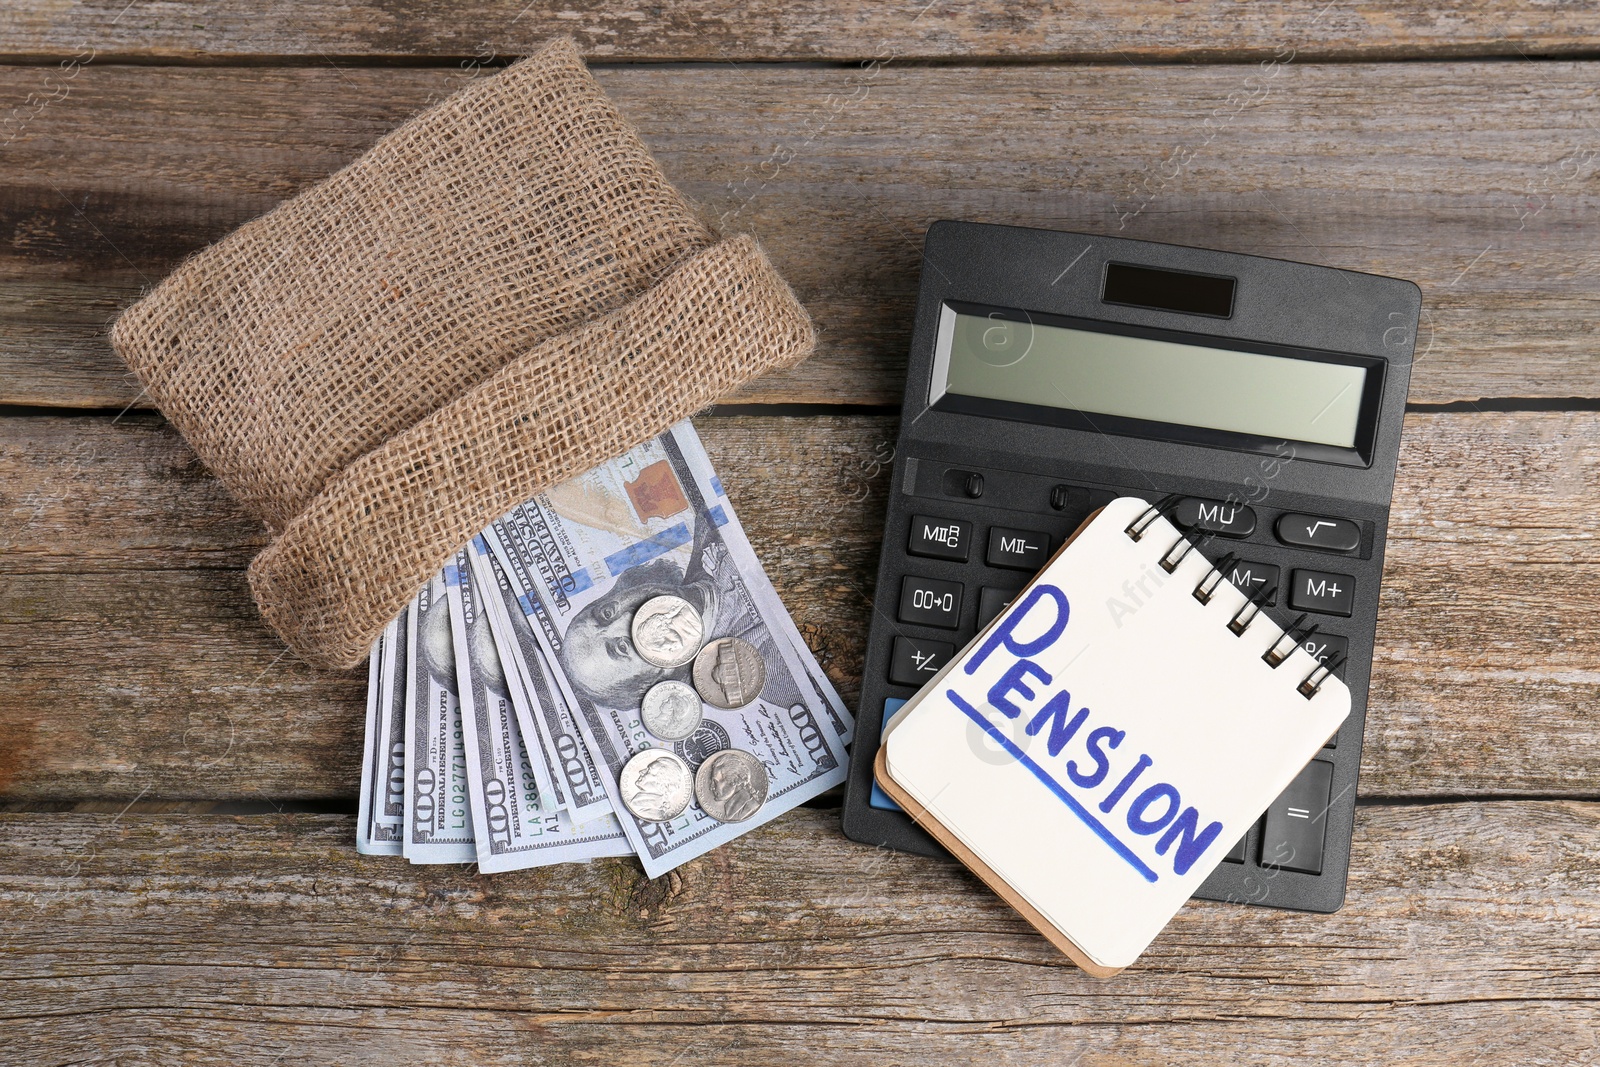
column 357, row 554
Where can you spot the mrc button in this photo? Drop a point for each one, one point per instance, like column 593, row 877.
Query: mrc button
column 1214, row 516
column 1025, row 550
column 940, row 538
column 1318, row 531
column 1331, row 594
column 930, row 602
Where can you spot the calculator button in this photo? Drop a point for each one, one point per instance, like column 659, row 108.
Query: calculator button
column 1060, row 497
column 1316, row 531
column 1236, row 853
column 940, row 538
column 1255, row 580
column 1214, row 516
column 915, row 660
column 879, row 798
column 991, row 602
column 930, row 602
column 1325, row 647
column 1331, row 594
column 1024, row 550
column 1297, row 822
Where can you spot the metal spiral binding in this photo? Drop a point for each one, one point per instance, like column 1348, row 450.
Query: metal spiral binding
column 1241, row 622
column 1273, row 657
column 1308, row 688
column 1135, row 529
column 1209, row 584
column 1169, row 563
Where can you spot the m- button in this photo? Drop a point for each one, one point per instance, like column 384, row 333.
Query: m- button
column 940, row 538
column 1214, row 516
column 1331, row 594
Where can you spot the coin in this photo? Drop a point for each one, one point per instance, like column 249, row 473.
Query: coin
column 667, row 631
column 731, row 785
column 729, row 673
column 655, row 785
column 671, row 710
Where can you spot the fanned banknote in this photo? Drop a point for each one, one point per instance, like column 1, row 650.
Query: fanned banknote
column 510, row 831
column 598, row 546
column 438, row 821
column 503, row 704
column 720, row 509
column 381, row 819
column 542, row 711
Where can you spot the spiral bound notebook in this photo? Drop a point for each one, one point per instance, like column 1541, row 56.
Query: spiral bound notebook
column 1095, row 751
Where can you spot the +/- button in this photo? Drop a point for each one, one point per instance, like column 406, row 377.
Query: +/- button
column 940, row 538
column 1315, row 531
column 915, row 660
column 1331, row 594
column 1214, row 516
column 1023, row 550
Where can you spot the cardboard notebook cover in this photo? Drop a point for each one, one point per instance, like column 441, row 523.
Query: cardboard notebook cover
column 1099, row 747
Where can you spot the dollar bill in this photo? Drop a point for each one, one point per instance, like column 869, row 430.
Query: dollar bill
column 547, row 722
column 381, row 820
column 438, row 819
column 510, row 831
column 720, row 509
column 588, row 553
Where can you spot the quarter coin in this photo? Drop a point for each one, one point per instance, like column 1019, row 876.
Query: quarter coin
column 731, row 785
column 729, row 673
column 671, row 710
column 655, row 785
column 667, row 631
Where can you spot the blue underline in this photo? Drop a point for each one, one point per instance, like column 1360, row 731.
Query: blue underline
column 1054, row 786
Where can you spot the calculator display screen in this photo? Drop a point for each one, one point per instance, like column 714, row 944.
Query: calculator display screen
column 1013, row 357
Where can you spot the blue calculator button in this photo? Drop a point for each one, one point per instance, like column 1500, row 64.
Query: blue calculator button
column 880, row 799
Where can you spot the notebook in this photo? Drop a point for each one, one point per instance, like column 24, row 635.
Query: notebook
column 1098, row 748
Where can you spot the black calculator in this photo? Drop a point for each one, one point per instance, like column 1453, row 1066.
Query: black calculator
column 1257, row 402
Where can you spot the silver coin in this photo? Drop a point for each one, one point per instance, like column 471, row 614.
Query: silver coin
column 731, row 785
column 667, row 631
column 729, row 673
column 671, row 710
column 656, row 785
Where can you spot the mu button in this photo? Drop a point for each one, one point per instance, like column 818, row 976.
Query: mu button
column 1214, row 516
column 1331, row 594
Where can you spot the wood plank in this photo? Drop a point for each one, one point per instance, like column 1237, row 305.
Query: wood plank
column 135, row 663
column 1468, row 937
column 721, row 31
column 1473, row 179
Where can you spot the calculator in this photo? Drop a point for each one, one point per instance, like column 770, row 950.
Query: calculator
column 1257, row 402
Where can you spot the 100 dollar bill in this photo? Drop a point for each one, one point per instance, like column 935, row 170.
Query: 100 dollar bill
column 510, row 830
column 597, row 547
column 438, row 820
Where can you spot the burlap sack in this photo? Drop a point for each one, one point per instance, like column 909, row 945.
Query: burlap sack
column 502, row 293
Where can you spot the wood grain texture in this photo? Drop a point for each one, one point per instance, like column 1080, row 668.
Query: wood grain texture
column 1468, row 939
column 135, row 663
column 717, row 30
column 1476, row 180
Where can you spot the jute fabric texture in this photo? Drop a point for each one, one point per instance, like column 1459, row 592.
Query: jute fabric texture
column 502, row 293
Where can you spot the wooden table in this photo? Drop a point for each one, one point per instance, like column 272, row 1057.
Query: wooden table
column 178, row 881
